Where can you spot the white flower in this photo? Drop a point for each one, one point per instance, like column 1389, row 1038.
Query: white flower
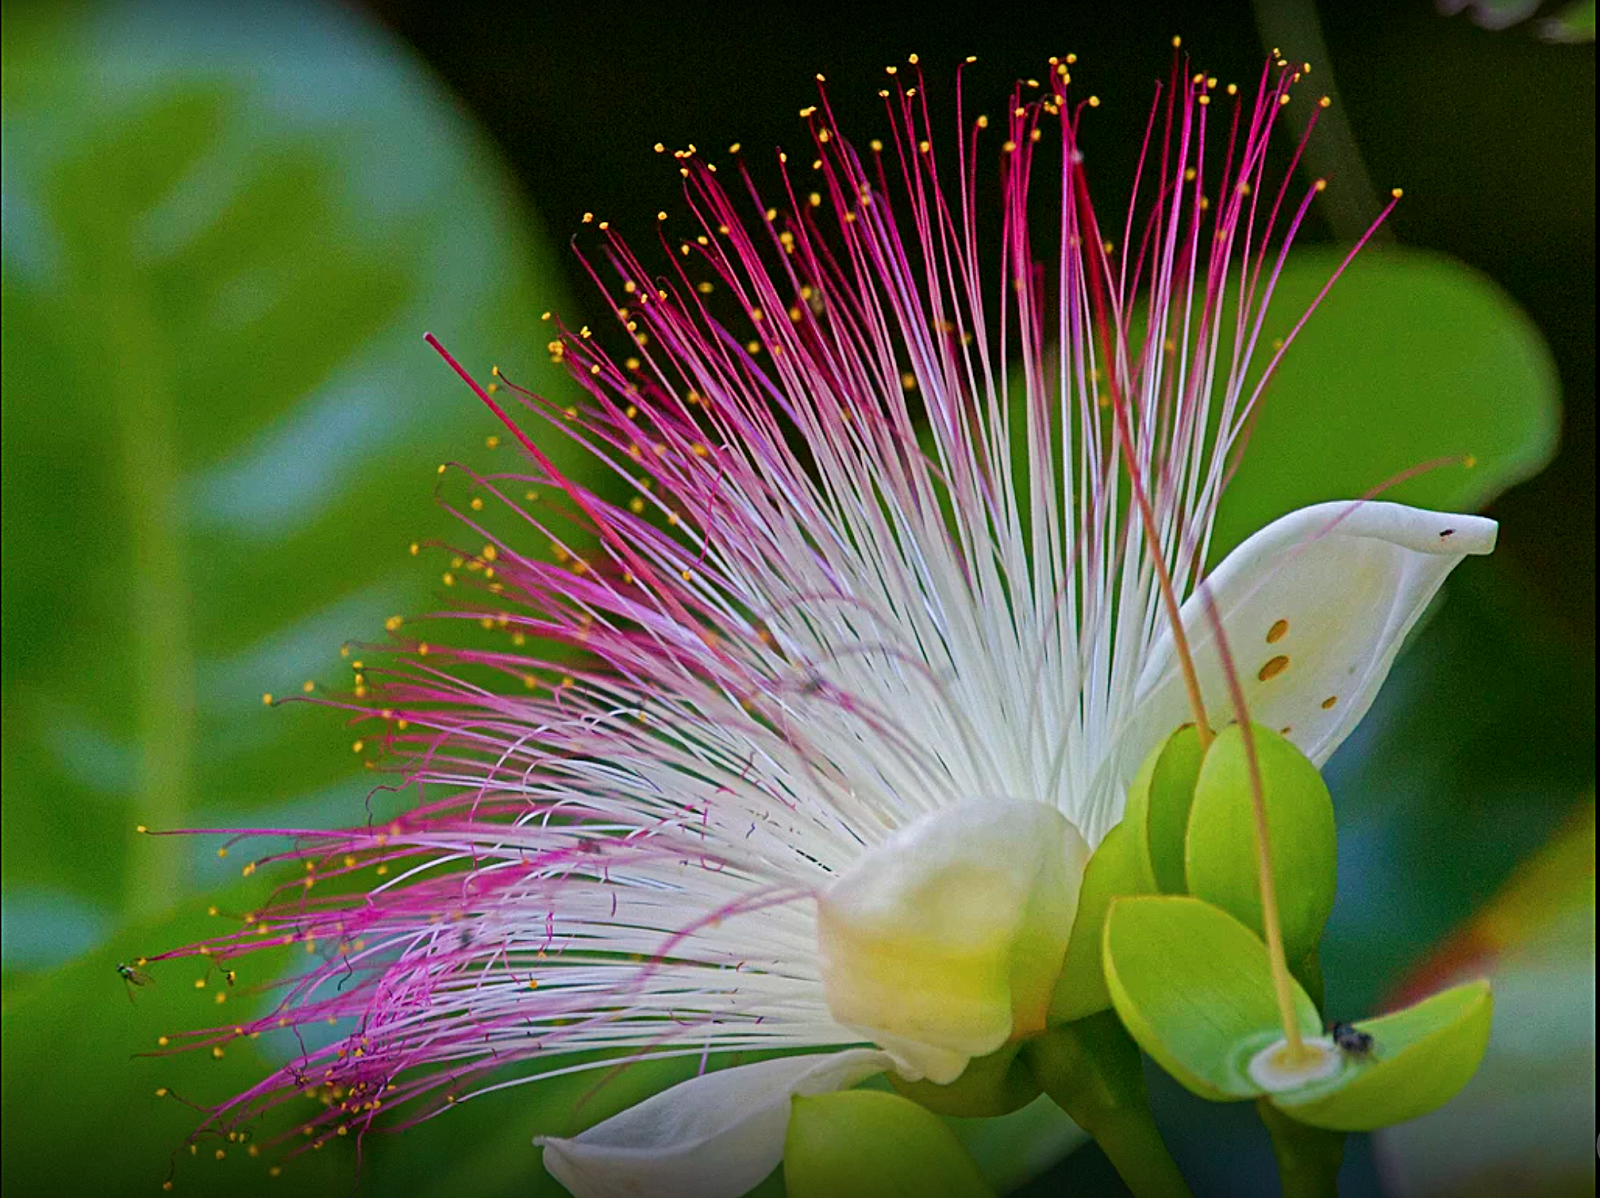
column 853, row 711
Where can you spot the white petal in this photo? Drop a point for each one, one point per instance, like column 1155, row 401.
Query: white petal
column 1315, row 606
column 946, row 940
column 713, row 1136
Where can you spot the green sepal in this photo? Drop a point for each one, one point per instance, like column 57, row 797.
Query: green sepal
column 1420, row 1058
column 1118, row 867
column 865, row 1143
column 1308, row 972
column 1170, row 797
column 1221, row 864
column 989, row 1086
column 1194, row 988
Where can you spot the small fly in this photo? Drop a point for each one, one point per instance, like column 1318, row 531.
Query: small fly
column 132, row 977
column 1352, row 1041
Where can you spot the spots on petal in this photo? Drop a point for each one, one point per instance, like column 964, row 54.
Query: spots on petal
column 1327, row 704
column 1273, row 668
column 1277, row 632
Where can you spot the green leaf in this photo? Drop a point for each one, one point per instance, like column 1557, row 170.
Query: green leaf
column 1118, row 867
column 224, row 238
column 1420, row 1058
column 1529, row 1109
column 82, row 1066
column 1221, row 859
column 864, row 1143
column 1411, row 358
column 1193, row 987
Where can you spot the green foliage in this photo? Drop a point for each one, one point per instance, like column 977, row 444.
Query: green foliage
column 220, row 256
column 1412, row 358
column 92, row 1079
column 112, row 1052
column 865, row 1143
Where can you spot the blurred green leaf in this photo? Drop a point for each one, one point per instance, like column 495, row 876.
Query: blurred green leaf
column 1571, row 24
column 225, row 232
column 82, row 1067
column 1412, row 358
column 1529, row 1111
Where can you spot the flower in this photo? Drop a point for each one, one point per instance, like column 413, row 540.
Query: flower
column 850, row 683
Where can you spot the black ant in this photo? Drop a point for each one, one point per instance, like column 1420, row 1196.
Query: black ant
column 1352, row 1041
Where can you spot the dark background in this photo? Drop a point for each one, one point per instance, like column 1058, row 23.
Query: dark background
column 1490, row 133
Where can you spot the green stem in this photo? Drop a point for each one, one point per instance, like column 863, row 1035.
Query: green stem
column 1308, row 1157
column 1092, row 1070
column 140, row 394
column 1350, row 208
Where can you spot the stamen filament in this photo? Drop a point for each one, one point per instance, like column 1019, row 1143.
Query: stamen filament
column 1294, row 1052
column 1169, row 597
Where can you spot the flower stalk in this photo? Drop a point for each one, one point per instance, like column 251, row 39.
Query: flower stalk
column 1294, row 1054
column 1091, row 1069
column 1308, row 1157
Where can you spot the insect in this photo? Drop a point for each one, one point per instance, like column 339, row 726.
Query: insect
column 132, row 977
column 1352, row 1041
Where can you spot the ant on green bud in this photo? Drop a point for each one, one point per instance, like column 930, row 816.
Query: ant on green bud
column 1352, row 1041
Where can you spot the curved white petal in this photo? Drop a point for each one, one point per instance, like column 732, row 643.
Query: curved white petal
column 946, row 940
column 713, row 1136
column 1315, row 606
